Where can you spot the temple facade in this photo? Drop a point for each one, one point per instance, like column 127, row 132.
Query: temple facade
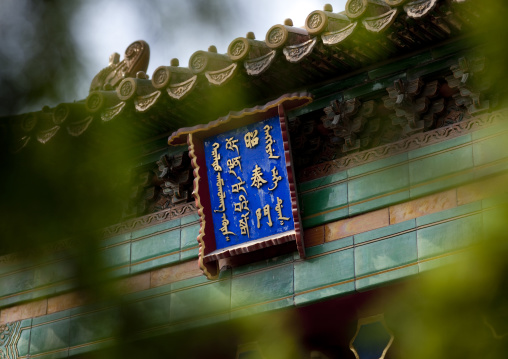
column 391, row 154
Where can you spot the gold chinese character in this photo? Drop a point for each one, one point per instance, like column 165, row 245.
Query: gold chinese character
column 216, row 158
column 232, row 163
column 251, row 139
column 237, row 187
column 278, row 209
column 266, row 212
column 224, row 228
column 231, row 144
column 275, row 178
column 244, row 226
column 257, row 177
column 239, row 207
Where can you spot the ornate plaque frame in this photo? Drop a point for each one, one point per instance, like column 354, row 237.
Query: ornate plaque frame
column 195, row 137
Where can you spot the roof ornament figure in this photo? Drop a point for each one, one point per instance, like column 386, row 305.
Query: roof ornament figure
column 137, row 56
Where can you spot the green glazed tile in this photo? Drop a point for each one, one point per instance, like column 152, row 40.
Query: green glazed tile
column 266, row 307
column 87, row 309
column 441, row 164
column 17, row 282
column 23, row 342
column 189, row 219
column 378, row 183
column 334, row 215
column 495, row 210
column 14, row 266
column 154, row 246
column 147, row 294
column 190, row 282
column 329, row 246
column 400, row 65
column 448, row 236
column 306, row 186
column 51, row 317
column 377, row 165
column 119, row 272
column 441, row 262
column 441, row 184
column 150, row 312
column 385, row 254
column 201, row 322
column 267, row 263
column 490, row 149
column 154, row 229
column 26, row 296
column 385, row 231
column 115, row 240
column 159, row 331
column 323, row 200
column 53, row 272
column 62, row 353
column 155, row 263
column 94, row 326
column 449, row 213
column 49, row 337
column 262, row 286
column 324, row 270
column 25, row 323
column 498, row 129
column 91, row 348
column 209, row 299
column 441, row 146
column 189, row 236
column 325, row 293
column 385, row 278
column 117, row 255
column 189, row 254
column 493, row 168
column 377, row 203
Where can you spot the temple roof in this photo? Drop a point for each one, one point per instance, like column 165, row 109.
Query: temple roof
column 330, row 46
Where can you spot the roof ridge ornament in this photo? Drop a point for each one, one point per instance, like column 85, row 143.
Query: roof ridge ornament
column 136, row 58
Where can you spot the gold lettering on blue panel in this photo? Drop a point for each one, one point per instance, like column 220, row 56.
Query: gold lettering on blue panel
column 257, row 179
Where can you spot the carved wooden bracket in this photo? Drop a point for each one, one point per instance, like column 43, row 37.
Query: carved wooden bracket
column 347, row 119
column 162, row 187
column 175, row 175
column 469, row 80
column 411, row 101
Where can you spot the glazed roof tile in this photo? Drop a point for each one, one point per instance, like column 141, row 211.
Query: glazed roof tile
column 253, row 71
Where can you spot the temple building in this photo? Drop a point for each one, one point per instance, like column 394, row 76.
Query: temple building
column 274, row 201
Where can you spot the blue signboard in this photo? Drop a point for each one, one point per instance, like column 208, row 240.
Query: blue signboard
column 248, row 181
